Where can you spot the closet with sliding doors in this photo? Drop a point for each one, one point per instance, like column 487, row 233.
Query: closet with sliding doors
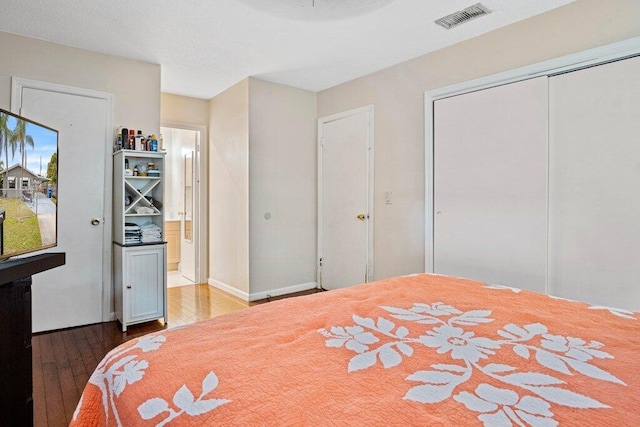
column 536, row 184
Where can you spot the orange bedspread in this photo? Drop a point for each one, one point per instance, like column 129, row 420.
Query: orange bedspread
column 419, row 350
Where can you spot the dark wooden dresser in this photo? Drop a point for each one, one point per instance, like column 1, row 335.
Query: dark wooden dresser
column 16, row 383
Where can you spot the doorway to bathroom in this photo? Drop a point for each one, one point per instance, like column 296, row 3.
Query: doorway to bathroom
column 183, row 211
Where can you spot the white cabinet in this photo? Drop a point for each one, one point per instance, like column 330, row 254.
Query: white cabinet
column 140, row 283
column 139, row 243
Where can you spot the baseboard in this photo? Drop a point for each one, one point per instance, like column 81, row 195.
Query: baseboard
column 264, row 294
column 282, row 291
column 229, row 289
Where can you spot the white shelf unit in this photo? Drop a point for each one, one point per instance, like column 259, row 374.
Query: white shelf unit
column 139, row 189
column 140, row 269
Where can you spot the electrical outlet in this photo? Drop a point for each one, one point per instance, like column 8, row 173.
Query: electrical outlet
column 387, row 197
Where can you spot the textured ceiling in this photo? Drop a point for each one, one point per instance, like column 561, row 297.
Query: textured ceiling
column 205, row 46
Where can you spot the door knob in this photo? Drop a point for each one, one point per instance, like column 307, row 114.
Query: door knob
column 361, row 217
column 95, row 221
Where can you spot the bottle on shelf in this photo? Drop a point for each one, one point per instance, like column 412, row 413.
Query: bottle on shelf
column 131, row 139
column 118, row 143
column 127, row 170
column 139, row 139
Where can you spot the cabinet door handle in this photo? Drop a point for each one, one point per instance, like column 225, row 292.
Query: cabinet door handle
column 128, row 286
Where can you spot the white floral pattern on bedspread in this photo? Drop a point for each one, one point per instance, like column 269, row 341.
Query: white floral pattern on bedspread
column 120, row 368
column 524, row 397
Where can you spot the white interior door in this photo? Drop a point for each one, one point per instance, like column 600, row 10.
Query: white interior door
column 490, row 185
column 594, row 197
column 72, row 295
column 187, row 245
column 345, row 205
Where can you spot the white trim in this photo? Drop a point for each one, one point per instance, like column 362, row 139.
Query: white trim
column 202, row 190
column 547, row 189
column 17, row 85
column 264, row 294
column 282, row 291
column 371, row 195
column 568, row 63
column 229, row 289
column 369, row 110
column 342, row 115
column 319, row 207
column 428, row 185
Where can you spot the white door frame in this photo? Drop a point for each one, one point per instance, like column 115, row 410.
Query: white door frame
column 369, row 110
column 201, row 190
column 564, row 64
column 17, row 85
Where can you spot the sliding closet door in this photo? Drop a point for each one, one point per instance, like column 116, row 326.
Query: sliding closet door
column 594, row 204
column 490, row 185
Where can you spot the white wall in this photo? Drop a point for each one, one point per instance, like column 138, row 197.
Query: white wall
column 262, row 160
column 135, row 84
column 177, row 143
column 229, row 188
column 398, row 96
column 282, row 184
column 184, row 110
column 172, row 175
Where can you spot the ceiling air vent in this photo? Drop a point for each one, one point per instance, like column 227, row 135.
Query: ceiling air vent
column 463, row 16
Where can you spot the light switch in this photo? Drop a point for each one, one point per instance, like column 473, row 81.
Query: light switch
column 387, row 197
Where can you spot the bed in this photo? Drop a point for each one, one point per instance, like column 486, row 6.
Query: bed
column 415, row 350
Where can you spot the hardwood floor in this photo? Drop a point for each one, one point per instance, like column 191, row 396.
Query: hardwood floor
column 63, row 360
column 194, row 303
